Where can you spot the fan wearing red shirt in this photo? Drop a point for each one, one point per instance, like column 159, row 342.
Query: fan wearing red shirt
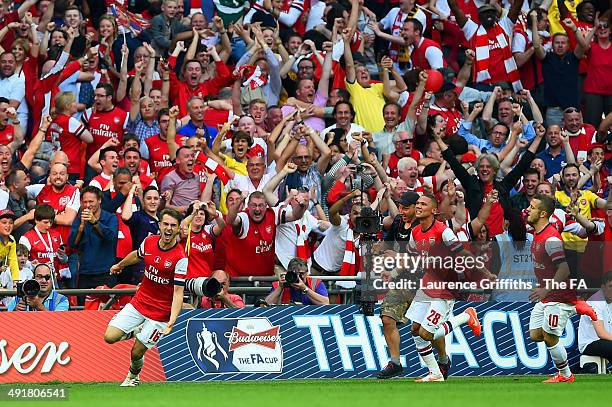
column 250, row 250
column 432, row 308
column 201, row 237
column 69, row 132
column 425, row 54
column 445, row 106
column 104, row 121
column 159, row 154
column 404, row 147
column 64, row 198
column 159, row 298
column 8, row 132
column 581, row 134
column 42, row 242
column 555, row 304
column 183, row 90
column 131, row 160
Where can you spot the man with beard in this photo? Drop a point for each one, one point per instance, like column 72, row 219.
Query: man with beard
column 491, row 42
column 182, row 182
column 16, row 182
column 94, row 235
column 131, row 160
column 478, row 186
column 250, row 250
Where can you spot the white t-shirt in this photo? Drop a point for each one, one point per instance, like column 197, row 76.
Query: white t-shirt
column 244, row 183
column 586, row 331
column 330, row 252
column 389, row 19
column 286, row 237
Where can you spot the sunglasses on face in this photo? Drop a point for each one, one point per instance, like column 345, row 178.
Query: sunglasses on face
column 46, row 277
column 603, row 26
column 405, row 141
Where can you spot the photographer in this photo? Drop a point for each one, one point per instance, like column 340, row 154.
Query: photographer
column 46, row 300
column 296, row 286
column 224, row 299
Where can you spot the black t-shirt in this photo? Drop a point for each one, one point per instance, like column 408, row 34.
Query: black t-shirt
column 398, row 232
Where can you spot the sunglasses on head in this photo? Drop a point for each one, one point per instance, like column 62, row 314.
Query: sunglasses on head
column 571, row 110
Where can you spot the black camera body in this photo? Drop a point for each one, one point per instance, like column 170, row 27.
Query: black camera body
column 291, row 277
column 368, row 222
column 28, row 288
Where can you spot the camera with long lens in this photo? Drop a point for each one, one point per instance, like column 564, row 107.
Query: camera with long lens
column 291, row 277
column 368, row 222
column 203, row 286
column 28, row 288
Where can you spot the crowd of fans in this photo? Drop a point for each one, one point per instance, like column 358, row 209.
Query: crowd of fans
column 270, row 125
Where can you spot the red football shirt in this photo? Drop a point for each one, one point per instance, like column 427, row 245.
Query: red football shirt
column 438, row 241
column 251, row 253
column 67, row 130
column 547, row 252
column 7, row 134
column 68, row 197
column 42, row 246
column 105, row 125
column 159, row 156
column 200, row 252
column 163, row 269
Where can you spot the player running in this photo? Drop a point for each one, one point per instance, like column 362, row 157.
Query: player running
column 158, row 301
column 555, row 304
column 431, row 310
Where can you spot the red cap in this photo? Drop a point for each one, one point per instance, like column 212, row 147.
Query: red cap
column 7, row 213
column 468, row 157
column 594, row 146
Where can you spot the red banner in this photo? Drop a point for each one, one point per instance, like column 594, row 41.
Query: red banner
column 66, row 346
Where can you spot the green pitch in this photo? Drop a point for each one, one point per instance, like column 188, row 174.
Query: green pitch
column 520, row 391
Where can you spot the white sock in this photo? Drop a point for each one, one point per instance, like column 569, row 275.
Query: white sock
column 425, row 349
column 136, row 366
column 559, row 356
column 452, row 323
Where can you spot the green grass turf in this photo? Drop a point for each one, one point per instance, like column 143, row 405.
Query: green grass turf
column 519, row 391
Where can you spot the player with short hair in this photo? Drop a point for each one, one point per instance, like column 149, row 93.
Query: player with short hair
column 431, row 310
column 154, row 309
column 550, row 314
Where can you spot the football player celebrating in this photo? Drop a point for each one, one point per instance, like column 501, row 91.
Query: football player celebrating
column 157, row 303
column 554, row 306
column 431, row 311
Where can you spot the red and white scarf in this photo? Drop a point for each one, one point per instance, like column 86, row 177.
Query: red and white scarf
column 256, row 79
column 351, row 263
column 213, row 166
column 481, row 45
column 302, row 249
